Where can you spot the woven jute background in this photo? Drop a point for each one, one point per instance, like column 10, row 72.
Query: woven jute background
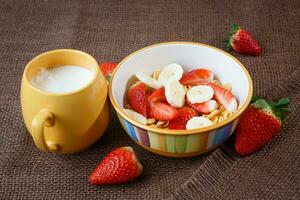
column 109, row 30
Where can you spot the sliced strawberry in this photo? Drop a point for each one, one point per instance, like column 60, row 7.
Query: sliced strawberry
column 107, row 69
column 205, row 107
column 224, row 97
column 157, row 95
column 137, row 98
column 197, row 77
column 162, row 111
column 185, row 114
column 119, row 166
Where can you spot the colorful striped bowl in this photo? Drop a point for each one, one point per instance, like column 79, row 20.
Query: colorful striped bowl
column 180, row 143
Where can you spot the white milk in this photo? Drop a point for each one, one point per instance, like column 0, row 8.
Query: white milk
column 62, row 79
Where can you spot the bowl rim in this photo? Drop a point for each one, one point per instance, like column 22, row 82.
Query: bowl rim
column 120, row 111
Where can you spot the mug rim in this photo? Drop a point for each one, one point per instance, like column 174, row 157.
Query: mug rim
column 240, row 110
column 61, row 93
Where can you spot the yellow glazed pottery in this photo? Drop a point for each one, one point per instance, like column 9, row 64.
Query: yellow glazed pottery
column 65, row 122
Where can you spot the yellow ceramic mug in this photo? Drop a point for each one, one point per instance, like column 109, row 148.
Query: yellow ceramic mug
column 65, row 122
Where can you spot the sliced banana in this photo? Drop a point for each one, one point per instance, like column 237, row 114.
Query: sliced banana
column 169, row 73
column 136, row 116
column 200, row 94
column 212, row 105
column 198, row 122
column 175, row 93
column 148, row 80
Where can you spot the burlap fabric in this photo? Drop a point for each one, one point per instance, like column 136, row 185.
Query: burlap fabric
column 110, row 30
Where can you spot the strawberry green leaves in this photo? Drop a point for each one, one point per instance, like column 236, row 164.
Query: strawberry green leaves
column 233, row 29
column 280, row 109
column 261, row 103
column 283, row 102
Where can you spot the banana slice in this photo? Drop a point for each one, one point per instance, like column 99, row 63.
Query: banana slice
column 175, row 93
column 148, row 80
column 212, row 105
column 198, row 122
column 200, row 94
column 169, row 73
column 136, row 116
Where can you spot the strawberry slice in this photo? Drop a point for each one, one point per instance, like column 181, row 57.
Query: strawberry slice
column 157, row 95
column 119, row 166
column 197, row 77
column 185, row 114
column 137, row 98
column 224, row 97
column 205, row 107
column 107, row 68
column 162, row 111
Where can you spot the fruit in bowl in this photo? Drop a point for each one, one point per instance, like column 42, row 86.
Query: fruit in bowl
column 179, row 100
column 164, row 94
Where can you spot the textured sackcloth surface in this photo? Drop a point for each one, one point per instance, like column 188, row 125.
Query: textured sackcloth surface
column 109, row 30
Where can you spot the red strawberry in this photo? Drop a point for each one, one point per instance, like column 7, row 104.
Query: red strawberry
column 162, row 111
column 259, row 124
column 119, row 166
column 137, row 98
column 185, row 114
column 107, row 69
column 242, row 41
column 205, row 107
column 197, row 77
column 157, row 95
column 224, row 97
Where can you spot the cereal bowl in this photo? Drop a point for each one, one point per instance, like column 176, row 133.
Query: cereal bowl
column 180, row 143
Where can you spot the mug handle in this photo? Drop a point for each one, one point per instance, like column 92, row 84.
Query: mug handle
column 41, row 119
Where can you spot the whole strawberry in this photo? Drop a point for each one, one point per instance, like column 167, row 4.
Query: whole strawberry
column 119, row 166
column 107, row 69
column 259, row 124
column 242, row 41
